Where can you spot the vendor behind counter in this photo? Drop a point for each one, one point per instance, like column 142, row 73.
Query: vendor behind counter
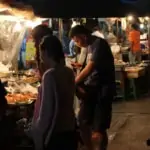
column 135, row 48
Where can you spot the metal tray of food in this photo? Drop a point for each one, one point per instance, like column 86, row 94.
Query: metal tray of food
column 27, row 102
column 30, row 80
column 20, row 99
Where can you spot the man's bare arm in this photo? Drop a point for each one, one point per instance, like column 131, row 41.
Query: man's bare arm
column 85, row 72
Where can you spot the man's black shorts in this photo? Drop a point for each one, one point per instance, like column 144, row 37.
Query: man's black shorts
column 96, row 109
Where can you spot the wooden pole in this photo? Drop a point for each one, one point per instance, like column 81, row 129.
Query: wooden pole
column 60, row 29
column 50, row 23
column 149, row 38
column 148, row 31
column 117, row 31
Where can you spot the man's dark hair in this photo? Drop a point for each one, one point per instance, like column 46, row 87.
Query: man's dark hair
column 53, row 46
column 74, row 19
column 92, row 25
column 78, row 30
column 135, row 26
column 40, row 31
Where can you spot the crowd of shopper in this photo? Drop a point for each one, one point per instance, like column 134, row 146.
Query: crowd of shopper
column 91, row 79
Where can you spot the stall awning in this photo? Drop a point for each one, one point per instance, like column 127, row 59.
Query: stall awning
column 88, row 8
column 5, row 12
column 20, row 11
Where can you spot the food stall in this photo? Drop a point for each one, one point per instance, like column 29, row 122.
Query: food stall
column 130, row 80
column 15, row 24
column 9, row 51
column 21, row 85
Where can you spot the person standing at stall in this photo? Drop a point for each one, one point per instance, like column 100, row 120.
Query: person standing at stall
column 135, row 48
column 80, row 53
column 97, row 81
column 66, row 25
column 38, row 33
column 55, row 127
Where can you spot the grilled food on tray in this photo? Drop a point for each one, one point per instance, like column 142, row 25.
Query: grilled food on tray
column 20, row 98
column 31, row 80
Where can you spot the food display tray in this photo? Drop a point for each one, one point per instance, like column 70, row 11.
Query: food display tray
column 28, row 102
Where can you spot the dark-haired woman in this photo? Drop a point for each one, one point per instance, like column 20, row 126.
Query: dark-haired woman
column 55, row 127
column 38, row 33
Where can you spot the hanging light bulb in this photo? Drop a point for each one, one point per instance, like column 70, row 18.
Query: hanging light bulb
column 17, row 27
column 130, row 18
column 141, row 26
column 32, row 24
column 147, row 18
column 29, row 24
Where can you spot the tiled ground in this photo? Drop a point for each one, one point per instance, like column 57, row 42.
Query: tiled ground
column 130, row 125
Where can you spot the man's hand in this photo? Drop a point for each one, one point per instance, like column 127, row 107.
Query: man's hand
column 97, row 136
column 85, row 72
column 81, row 90
column 76, row 65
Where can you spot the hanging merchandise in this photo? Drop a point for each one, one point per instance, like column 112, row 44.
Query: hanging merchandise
column 123, row 23
column 17, row 27
column 22, row 54
column 11, row 28
column 101, row 19
column 83, row 20
column 30, row 48
column 141, row 19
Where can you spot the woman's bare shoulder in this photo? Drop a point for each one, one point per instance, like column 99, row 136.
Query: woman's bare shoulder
column 48, row 74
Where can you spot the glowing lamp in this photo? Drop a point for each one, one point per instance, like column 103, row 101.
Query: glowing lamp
column 130, row 18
